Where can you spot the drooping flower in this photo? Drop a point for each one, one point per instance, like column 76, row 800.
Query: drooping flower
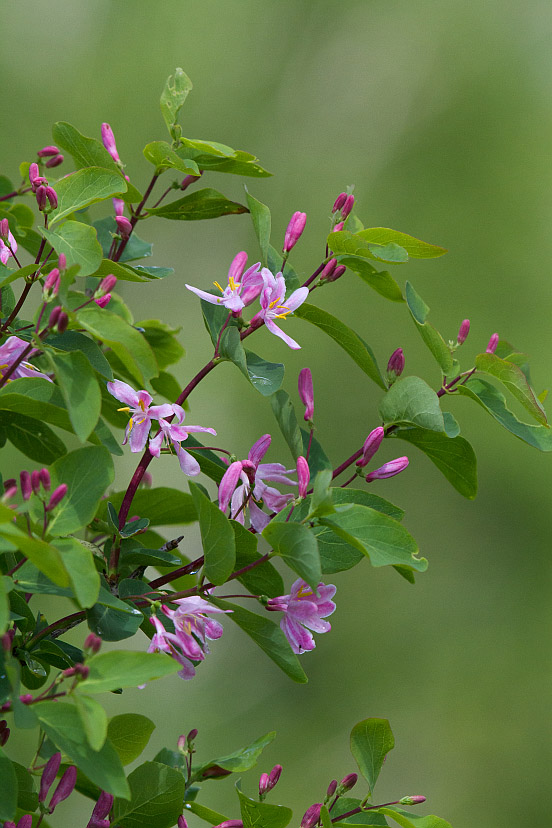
column 242, row 288
column 251, row 474
column 175, row 433
column 10, row 351
column 275, row 306
column 303, row 611
column 138, row 404
column 7, row 250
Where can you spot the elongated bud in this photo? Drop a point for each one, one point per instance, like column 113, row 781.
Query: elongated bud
column 45, row 479
column 54, row 316
column 192, row 735
column 464, row 331
column 9, row 493
column 51, row 195
column 5, row 229
column 311, row 816
column 46, row 152
column 339, row 226
column 189, row 179
column 103, row 301
column 388, row 469
column 108, row 140
column 331, row 789
column 92, row 643
column 274, row 776
column 412, row 800
column 55, row 161
column 26, row 821
column 62, row 322
column 230, row 823
column 26, row 485
column 62, row 262
column 26, row 698
column 182, row 743
column 348, row 782
column 294, row 231
column 106, row 285
column 493, row 342
column 103, row 805
column 339, row 202
column 124, row 226
column 237, row 267
column 303, row 476
column 35, row 481
column 329, row 268
column 65, row 787
column 41, row 198
column 181, row 822
column 118, row 206
column 370, row 447
column 263, row 784
column 337, row 274
column 306, row 393
column 34, row 173
column 395, row 366
column 57, row 496
column 51, row 285
column 48, row 775
column 348, row 206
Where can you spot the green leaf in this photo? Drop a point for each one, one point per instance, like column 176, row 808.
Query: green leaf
column 206, row 814
column 75, row 341
column 217, row 538
column 432, row 338
column 266, row 377
column 140, row 556
column 156, row 797
column 162, row 506
column 343, row 241
column 79, row 563
column 414, row 247
column 454, row 457
column 78, row 242
column 382, row 282
column 240, row 760
column 45, row 557
column 384, row 541
column 260, row 216
column 325, row 817
column 371, row 741
column 230, row 348
column 451, row 426
column 268, row 636
column 80, row 390
column 406, row 819
column 114, row 623
column 161, row 337
column 122, row 668
column 62, row 724
column 321, row 500
column 4, row 607
column 87, row 472
column 285, row 415
column 163, row 157
column 318, row 459
column 85, row 187
column 297, row 546
column 175, row 92
column 129, row 733
column 32, row 437
column 240, row 163
column 494, row 402
column 201, row 204
column 411, row 400
column 346, row 338
column 93, row 718
column 8, row 788
column 27, row 796
column 128, row 344
column 262, row 814
column 513, row 378
column 136, row 248
column 263, row 579
column 126, row 273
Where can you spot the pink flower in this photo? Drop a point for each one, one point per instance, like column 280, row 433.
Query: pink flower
column 108, row 140
column 241, row 290
column 175, row 433
column 10, row 351
column 138, row 404
column 5, row 251
column 251, row 474
column 303, row 611
column 275, row 306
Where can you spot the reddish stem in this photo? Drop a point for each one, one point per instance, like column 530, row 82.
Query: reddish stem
column 133, row 221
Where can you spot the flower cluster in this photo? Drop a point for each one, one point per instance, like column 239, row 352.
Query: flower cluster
column 303, row 611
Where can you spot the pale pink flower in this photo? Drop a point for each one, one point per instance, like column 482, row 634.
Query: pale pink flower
column 10, row 351
column 303, row 611
column 242, row 287
column 275, row 306
column 175, row 433
column 138, row 405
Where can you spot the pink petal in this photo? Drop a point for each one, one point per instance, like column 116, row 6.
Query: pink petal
column 299, row 638
column 188, row 464
column 274, row 329
column 123, row 392
column 297, row 298
column 259, row 449
column 214, row 300
column 228, row 484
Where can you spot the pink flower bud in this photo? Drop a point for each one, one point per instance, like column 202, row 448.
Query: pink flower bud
column 181, row 744
column 118, row 206
column 294, row 231
column 263, row 784
column 493, row 342
column 370, row 447
column 329, row 268
column 62, row 262
column 57, row 496
column 339, row 202
column 189, row 180
column 7, row 640
column 48, row 775
column 34, row 173
column 311, row 816
column 102, row 806
column 26, row 698
column 45, row 479
column 106, row 285
column 25, row 483
column 303, row 476
column 62, row 322
column 124, row 226
column 46, row 152
column 5, row 229
column 108, row 140
column 412, row 800
column 9, row 493
column 9, row 824
column 54, row 316
column 348, row 782
column 55, row 161
column 337, row 274
column 65, row 787
column 348, row 206
column 92, row 643
column 51, row 285
column 395, row 366
column 35, row 481
column 274, row 776
column 26, row 821
column 51, row 195
column 388, row 469
column 82, row 670
column 331, row 788
column 192, row 735
column 181, row 822
column 306, row 393
column 237, row 267
column 103, row 300
column 230, row 823
column 339, row 226
column 464, row 331
column 41, row 197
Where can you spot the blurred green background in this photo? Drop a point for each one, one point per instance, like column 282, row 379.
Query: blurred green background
column 439, row 114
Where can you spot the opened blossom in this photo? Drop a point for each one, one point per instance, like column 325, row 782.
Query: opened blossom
column 303, row 611
column 274, row 305
column 244, row 485
column 242, row 287
column 7, row 250
column 173, row 434
column 142, row 412
column 10, row 351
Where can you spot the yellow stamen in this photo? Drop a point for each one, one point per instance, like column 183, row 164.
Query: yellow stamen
column 304, row 592
column 126, row 408
column 233, row 285
column 216, row 284
column 282, row 315
column 130, row 425
column 142, row 406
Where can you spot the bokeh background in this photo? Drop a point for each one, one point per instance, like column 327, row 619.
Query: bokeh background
column 440, row 115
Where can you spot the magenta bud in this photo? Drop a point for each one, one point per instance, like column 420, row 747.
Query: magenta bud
column 189, row 179
column 339, row 226
column 26, row 821
column 92, row 643
column 57, row 496
column 106, row 285
column 54, row 316
column 306, row 393
column 26, row 698
column 55, row 161
column 371, row 445
column 328, row 270
column 348, row 206
column 118, row 206
column 9, row 824
column 62, row 262
column 263, row 784
column 337, row 274
column 182, row 743
column 34, row 172
column 388, row 469
column 339, row 202
column 294, row 231
column 62, row 322
column 303, row 476
column 46, row 152
column 82, row 670
column 7, row 640
column 230, row 823
column 26, row 485
column 102, row 806
column 311, row 816
column 51, row 195
column 51, row 285
column 331, row 788
column 108, row 140
column 45, row 479
column 48, row 775
column 395, row 366
column 35, row 481
column 348, row 782
column 5, row 229
column 124, row 226
column 237, row 267
column 103, row 301
column 412, row 800
column 181, row 822
column 493, row 342
column 192, row 734
column 464, row 331
column 41, row 197
column 274, row 776
column 65, row 787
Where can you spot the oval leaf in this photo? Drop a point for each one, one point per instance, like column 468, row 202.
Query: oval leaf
column 217, row 538
column 297, row 546
column 411, row 400
column 371, row 741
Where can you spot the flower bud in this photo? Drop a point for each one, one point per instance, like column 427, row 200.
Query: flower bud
column 189, row 179
column 51, row 195
column 25, row 483
column 82, row 670
column 35, row 481
column 57, row 496
column 118, row 206
column 463, row 332
column 5, row 229
column 348, row 782
column 329, row 268
column 370, row 447
column 108, row 140
column 26, row 821
column 230, row 823
column 9, row 824
column 62, row 262
column 303, row 476
column 388, row 469
column 10, row 483
column 34, row 173
column 62, row 322
column 294, row 231
column 339, row 226
column 102, row 806
column 347, row 206
column 493, row 342
column 45, row 479
column 274, row 776
column 181, row 822
column 26, row 698
column 55, row 161
column 46, row 152
column 263, row 784
column 106, row 285
column 124, row 226
column 311, row 816
column 306, row 393
column 181, row 744
column 49, row 773
column 41, row 198
column 192, row 735
column 9, row 493
column 339, row 202
column 7, row 640
column 331, row 789
column 51, row 285
column 337, row 274
column 395, row 366
column 4, row 732
column 412, row 800
column 103, row 300
column 65, row 787
column 54, row 316
column 92, row 643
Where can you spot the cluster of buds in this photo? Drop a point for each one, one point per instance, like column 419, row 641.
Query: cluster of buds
column 185, row 742
column 46, row 196
column 123, row 224
column 294, row 231
column 58, row 320
column 369, row 449
column 51, row 285
column 102, row 294
column 51, row 152
column 268, row 781
column 341, row 210
column 336, row 788
column 92, row 644
column 101, row 811
column 65, row 787
column 80, row 671
column 30, row 482
column 331, row 271
column 4, row 732
column 26, row 821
